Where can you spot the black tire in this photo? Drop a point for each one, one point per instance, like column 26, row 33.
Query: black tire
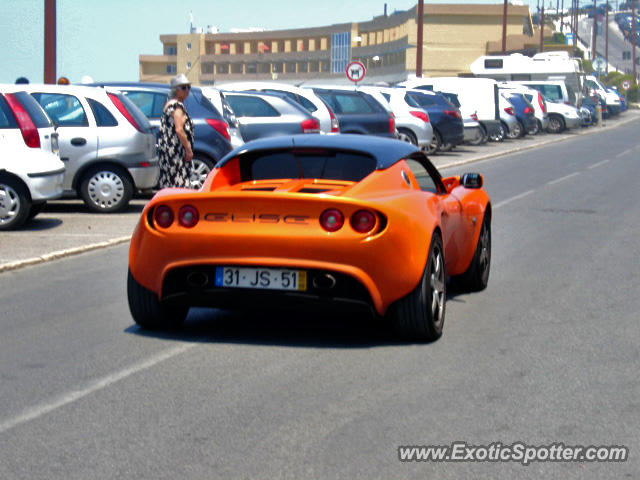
column 536, row 129
column 15, row 203
column 481, row 138
column 407, row 135
column 200, row 168
column 148, row 311
column 35, row 209
column 499, row 137
column 556, row 124
column 106, row 189
column 447, row 147
column 517, row 132
column 420, row 314
column 476, row 277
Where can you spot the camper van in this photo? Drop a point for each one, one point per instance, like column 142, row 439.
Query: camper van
column 477, row 96
column 542, row 66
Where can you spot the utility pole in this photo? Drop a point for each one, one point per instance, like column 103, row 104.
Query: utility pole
column 420, row 21
column 595, row 31
column 49, row 41
column 562, row 17
column 542, row 28
column 633, row 41
column 504, row 28
column 606, row 37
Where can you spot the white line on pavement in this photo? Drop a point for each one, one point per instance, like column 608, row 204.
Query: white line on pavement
column 70, row 397
column 562, row 179
column 626, row 152
column 509, row 200
column 599, row 164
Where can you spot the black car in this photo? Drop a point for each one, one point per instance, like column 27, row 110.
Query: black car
column 358, row 112
column 211, row 133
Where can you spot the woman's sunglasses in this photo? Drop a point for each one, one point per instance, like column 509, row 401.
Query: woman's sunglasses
column 185, row 87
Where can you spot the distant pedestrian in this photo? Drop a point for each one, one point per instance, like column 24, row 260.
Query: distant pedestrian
column 175, row 137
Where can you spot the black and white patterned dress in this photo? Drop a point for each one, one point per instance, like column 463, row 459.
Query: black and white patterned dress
column 174, row 171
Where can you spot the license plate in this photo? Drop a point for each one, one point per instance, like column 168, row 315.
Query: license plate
column 261, row 278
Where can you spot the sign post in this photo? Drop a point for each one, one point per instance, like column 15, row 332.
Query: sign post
column 356, row 71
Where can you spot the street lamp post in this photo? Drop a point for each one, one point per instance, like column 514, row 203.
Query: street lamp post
column 606, row 37
column 595, row 31
column 504, row 28
column 542, row 27
column 50, row 41
column 420, row 22
column 633, row 40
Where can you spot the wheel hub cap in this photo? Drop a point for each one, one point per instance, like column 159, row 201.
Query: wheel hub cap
column 9, row 204
column 106, row 189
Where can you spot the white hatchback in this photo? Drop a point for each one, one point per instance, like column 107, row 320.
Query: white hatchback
column 105, row 141
column 30, row 169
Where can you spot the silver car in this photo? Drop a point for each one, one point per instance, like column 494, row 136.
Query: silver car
column 105, row 142
column 261, row 114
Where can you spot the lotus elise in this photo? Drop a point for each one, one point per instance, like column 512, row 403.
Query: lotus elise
column 342, row 222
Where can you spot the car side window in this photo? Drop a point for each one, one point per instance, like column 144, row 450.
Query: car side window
column 103, row 116
column 151, row 104
column 65, row 110
column 251, row 107
column 352, row 104
column 424, row 179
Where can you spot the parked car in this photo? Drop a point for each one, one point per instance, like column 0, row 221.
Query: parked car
column 594, row 86
column 413, row 124
column 212, row 139
column 304, row 96
column 508, row 120
column 557, row 91
column 105, row 141
column 262, row 114
column 525, row 114
column 216, row 97
column 537, row 101
column 562, row 116
column 357, row 112
column 446, row 120
column 474, row 132
column 31, row 171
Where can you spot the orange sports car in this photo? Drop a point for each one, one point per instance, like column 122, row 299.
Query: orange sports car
column 345, row 222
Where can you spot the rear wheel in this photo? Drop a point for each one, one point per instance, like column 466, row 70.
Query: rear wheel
column 200, row 168
column 476, row 277
column 147, row 310
column 420, row 314
column 480, row 138
column 517, row 131
column 499, row 137
column 407, row 136
column 556, row 124
column 536, row 128
column 435, row 144
column 35, row 209
column 14, row 203
column 106, row 189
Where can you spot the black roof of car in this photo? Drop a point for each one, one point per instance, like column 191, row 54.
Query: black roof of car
column 385, row 151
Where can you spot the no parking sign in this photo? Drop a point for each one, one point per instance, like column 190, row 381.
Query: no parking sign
column 356, row 71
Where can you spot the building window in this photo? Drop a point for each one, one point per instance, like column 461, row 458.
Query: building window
column 172, row 68
column 172, row 50
column 340, row 51
column 290, row 67
column 251, row 67
column 303, row 67
column 236, row 68
column 222, row 68
column 207, row 68
column 188, row 46
column 188, row 65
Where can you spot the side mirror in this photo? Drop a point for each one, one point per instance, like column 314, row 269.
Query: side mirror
column 472, row 180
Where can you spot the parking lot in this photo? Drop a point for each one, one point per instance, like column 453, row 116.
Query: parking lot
column 66, row 227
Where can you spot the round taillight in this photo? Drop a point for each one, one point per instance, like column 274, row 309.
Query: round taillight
column 163, row 216
column 188, row 216
column 363, row 221
column 332, row 220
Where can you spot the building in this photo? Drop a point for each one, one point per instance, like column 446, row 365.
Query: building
column 453, row 36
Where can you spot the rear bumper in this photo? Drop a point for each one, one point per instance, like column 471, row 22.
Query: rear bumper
column 573, row 122
column 46, row 185
column 145, row 177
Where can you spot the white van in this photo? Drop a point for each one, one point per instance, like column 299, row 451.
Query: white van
column 612, row 100
column 556, row 91
column 477, row 96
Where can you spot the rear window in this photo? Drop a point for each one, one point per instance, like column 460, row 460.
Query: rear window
column 245, row 106
column 135, row 112
column 7, row 120
column 347, row 103
column 102, row 114
column 40, row 119
column 150, row 103
column 299, row 99
column 196, row 94
column 320, row 164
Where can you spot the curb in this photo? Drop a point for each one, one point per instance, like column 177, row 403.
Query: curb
column 61, row 254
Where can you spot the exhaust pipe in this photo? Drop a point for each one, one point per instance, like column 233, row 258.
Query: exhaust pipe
column 197, row 279
column 324, row 281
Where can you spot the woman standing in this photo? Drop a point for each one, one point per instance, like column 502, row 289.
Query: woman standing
column 175, row 137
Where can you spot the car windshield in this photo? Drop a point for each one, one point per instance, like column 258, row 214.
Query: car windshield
column 307, row 163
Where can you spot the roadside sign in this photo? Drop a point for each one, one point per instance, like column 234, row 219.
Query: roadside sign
column 626, row 84
column 356, row 71
column 568, row 38
column 600, row 64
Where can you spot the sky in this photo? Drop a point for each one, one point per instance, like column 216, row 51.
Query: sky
column 103, row 38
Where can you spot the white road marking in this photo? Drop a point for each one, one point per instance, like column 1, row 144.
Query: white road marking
column 622, row 154
column 599, row 164
column 70, row 397
column 509, row 200
column 562, row 179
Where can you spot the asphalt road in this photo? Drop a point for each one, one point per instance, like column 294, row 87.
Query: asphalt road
column 548, row 353
column 617, row 43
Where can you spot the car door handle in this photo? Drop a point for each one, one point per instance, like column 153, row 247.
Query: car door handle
column 78, row 141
